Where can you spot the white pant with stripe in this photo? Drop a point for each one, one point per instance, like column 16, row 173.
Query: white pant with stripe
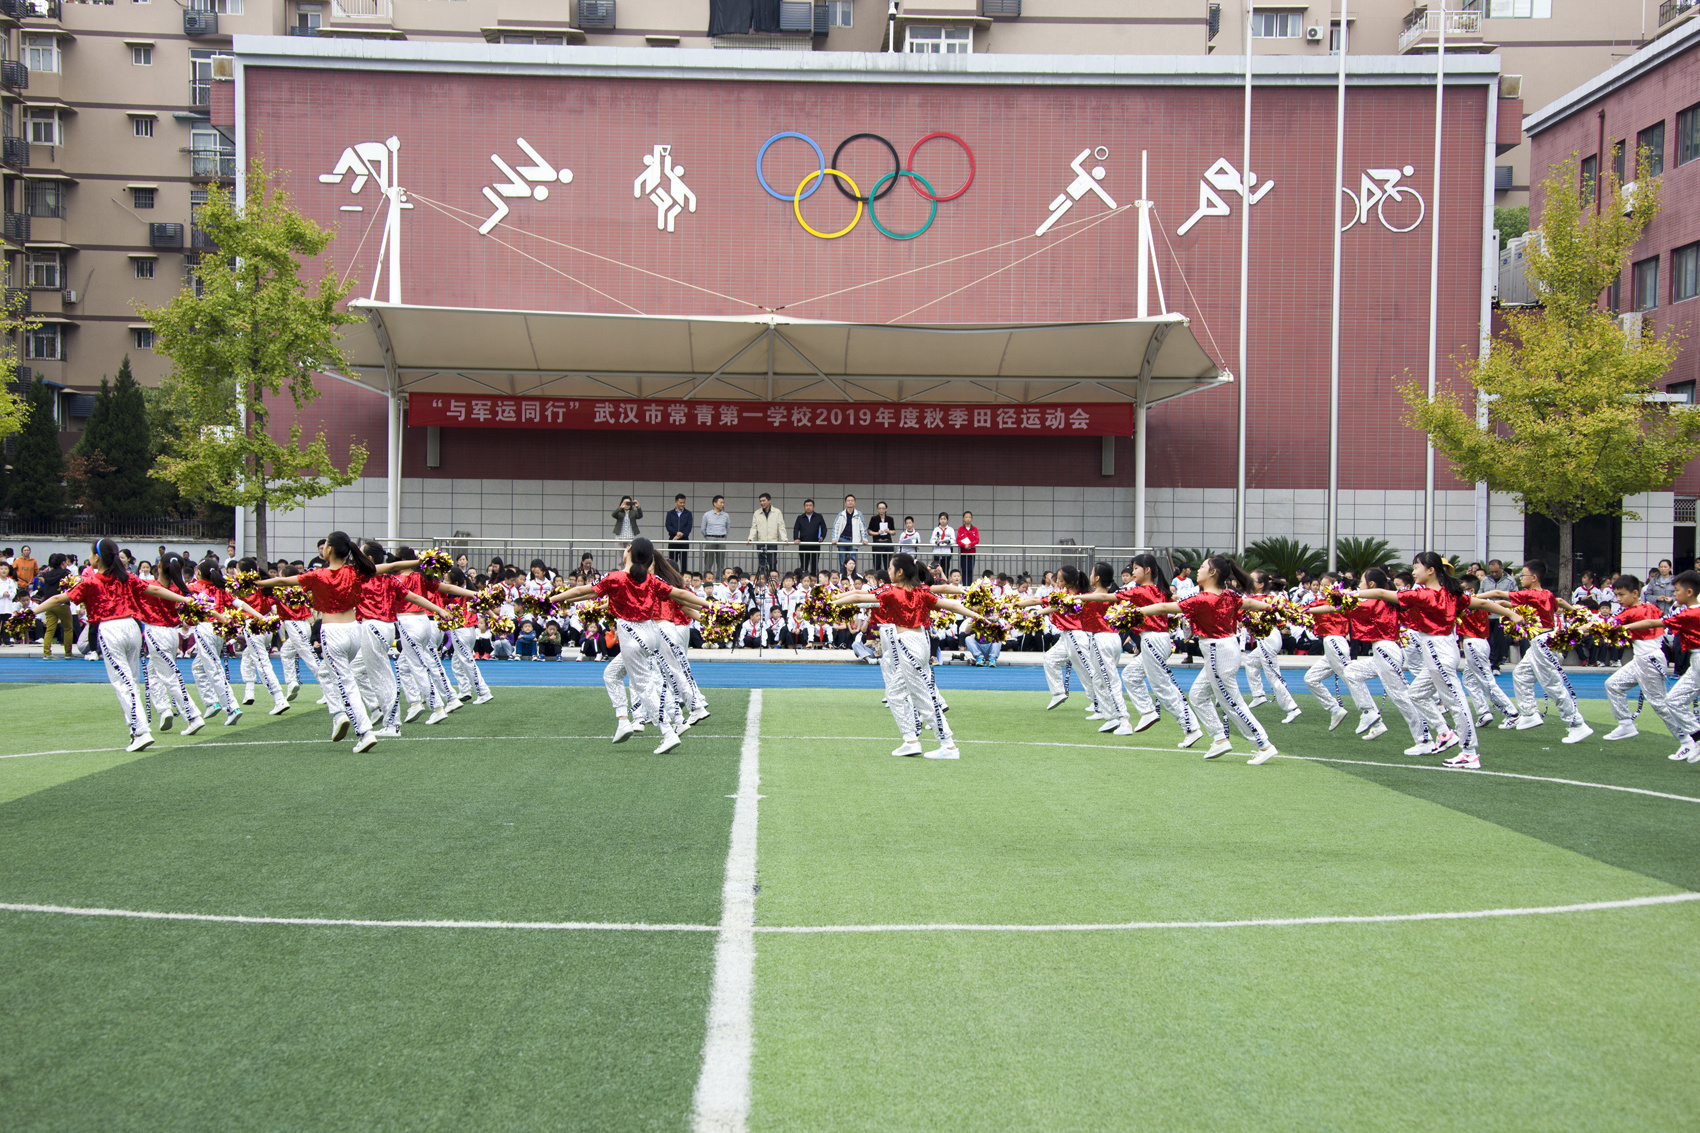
column 1218, row 683
column 121, row 649
column 166, row 687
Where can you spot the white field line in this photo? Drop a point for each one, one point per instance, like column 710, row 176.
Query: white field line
column 722, row 1100
column 810, row 930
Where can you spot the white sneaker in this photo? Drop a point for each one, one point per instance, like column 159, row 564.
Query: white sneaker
column 1465, row 761
column 1336, row 717
column 142, row 741
column 623, row 731
column 438, row 716
column 1694, row 753
column 1423, row 748
column 1448, row 739
column 1683, row 752
column 1056, row 700
column 366, row 742
column 1145, row 721
column 1189, row 739
column 232, row 716
column 279, row 708
column 1110, row 726
column 485, row 699
column 387, row 733
column 1376, row 730
column 1577, row 733
column 1125, row 728
column 321, row 700
column 194, row 727
column 637, row 727
column 669, row 741
column 1525, row 722
column 454, row 703
column 165, row 721
column 698, row 716
column 339, row 728
column 1220, row 747
column 247, row 694
column 907, row 747
column 1257, row 700
column 1263, row 756
column 291, row 690
column 413, row 714
column 1623, row 731
column 1484, row 719
column 944, row 752
column 1509, row 722
column 1292, row 714
column 1365, row 719
column 1093, row 715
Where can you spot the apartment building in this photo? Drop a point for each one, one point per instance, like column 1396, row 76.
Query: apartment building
column 109, row 146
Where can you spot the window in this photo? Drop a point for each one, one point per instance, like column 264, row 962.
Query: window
column 1646, row 275
column 1519, row 9
column 144, row 268
column 838, row 14
column 538, row 40
column 1617, row 159
column 1684, row 391
column 142, row 198
column 1652, row 141
column 45, row 272
column 141, row 55
column 1614, row 295
column 142, row 127
column 43, row 126
column 41, row 52
column 142, row 338
column 939, row 41
column 43, row 341
column 1277, row 25
column 309, row 16
column 222, row 7
column 1334, row 38
column 1685, row 273
column 44, row 198
column 1590, row 175
column 1688, row 135
column 200, row 78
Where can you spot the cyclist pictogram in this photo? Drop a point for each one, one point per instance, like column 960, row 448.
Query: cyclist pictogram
column 1375, row 189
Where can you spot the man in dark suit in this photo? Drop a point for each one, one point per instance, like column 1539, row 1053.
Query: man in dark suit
column 679, row 524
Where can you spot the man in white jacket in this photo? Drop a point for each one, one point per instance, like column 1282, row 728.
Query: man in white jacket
column 849, row 531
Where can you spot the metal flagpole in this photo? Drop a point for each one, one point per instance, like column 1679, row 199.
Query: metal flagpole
column 1245, row 284
column 1334, row 342
column 1434, row 274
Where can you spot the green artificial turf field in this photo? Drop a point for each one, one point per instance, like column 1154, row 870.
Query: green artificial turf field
column 920, row 956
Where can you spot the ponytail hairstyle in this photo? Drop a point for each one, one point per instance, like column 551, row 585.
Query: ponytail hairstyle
column 112, row 563
column 1374, row 579
column 663, row 567
column 643, row 558
column 345, row 549
column 1539, row 569
column 1158, row 578
column 210, row 572
column 904, row 568
column 1442, row 572
column 1072, row 578
column 1229, row 574
column 404, row 553
column 171, row 571
column 1104, row 575
column 1261, row 579
column 882, row 577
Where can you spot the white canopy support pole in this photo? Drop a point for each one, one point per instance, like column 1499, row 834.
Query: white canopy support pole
column 1434, row 276
column 1141, row 401
column 1490, row 276
column 1144, row 275
column 1245, row 290
column 1144, row 206
column 1334, row 327
column 397, row 403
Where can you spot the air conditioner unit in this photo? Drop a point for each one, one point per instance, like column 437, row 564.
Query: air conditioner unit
column 1511, row 86
column 1631, row 322
column 70, row 298
column 1314, row 34
column 1626, row 196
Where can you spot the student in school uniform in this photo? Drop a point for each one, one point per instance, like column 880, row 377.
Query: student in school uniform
column 1146, row 585
column 1333, row 629
column 1539, row 663
column 297, row 648
column 1684, row 621
column 256, row 660
column 1475, row 630
column 1645, row 667
column 463, row 641
column 1262, row 657
column 167, row 691
column 1375, row 627
column 383, row 597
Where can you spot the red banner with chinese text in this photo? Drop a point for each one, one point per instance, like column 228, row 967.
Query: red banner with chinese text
column 1045, row 420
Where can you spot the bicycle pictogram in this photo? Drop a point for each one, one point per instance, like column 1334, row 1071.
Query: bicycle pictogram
column 1376, row 188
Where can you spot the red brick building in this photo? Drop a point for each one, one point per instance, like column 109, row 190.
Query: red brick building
column 1650, row 100
column 1050, row 133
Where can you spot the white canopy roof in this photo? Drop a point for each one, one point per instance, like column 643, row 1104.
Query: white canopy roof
column 411, row 349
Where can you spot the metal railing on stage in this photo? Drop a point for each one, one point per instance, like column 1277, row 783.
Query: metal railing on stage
column 564, row 555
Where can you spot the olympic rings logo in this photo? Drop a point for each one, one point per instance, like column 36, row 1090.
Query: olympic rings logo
column 845, row 185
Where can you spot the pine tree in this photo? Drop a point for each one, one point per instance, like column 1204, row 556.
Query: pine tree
column 38, row 466
column 114, row 457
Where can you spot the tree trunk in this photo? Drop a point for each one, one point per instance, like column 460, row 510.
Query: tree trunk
column 1566, row 555
column 260, row 558
column 255, row 391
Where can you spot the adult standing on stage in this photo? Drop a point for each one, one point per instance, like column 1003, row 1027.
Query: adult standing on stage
column 849, row 531
column 626, row 518
column 882, row 529
column 809, row 532
column 767, row 528
column 716, row 528
column 680, row 523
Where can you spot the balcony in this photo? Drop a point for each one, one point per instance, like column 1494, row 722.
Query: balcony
column 165, row 235
column 201, row 240
column 16, row 227
column 1004, row 9
column 596, row 15
column 14, row 75
column 304, row 32
column 17, row 301
column 15, row 152
column 14, row 9
column 200, row 23
column 200, row 92
column 1671, row 9
column 213, row 164
column 364, row 9
column 1422, row 30
column 40, row 9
